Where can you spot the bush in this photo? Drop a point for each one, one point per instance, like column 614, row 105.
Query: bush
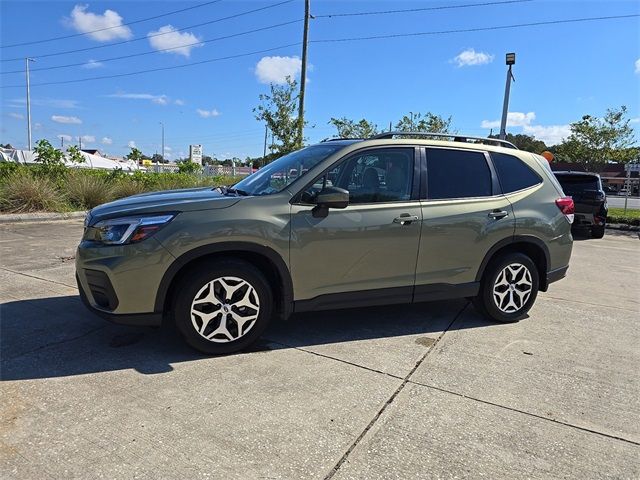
column 87, row 191
column 617, row 215
column 24, row 192
column 7, row 169
column 126, row 187
column 190, row 167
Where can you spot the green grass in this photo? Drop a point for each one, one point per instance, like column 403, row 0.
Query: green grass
column 36, row 189
column 617, row 215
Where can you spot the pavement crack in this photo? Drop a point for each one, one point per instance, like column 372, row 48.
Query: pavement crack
column 37, row 278
column 390, row 400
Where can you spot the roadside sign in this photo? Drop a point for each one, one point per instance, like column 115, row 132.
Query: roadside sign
column 195, row 153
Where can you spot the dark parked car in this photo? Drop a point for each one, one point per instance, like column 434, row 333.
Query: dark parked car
column 589, row 198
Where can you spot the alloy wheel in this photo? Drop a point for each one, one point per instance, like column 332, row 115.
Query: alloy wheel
column 225, row 309
column 512, row 288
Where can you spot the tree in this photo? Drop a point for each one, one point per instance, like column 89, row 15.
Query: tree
column 525, row 142
column 157, row 158
column 429, row 122
column 135, row 155
column 350, row 129
column 595, row 141
column 74, row 154
column 279, row 111
column 47, row 154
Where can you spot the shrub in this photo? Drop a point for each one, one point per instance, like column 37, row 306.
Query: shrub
column 617, row 215
column 23, row 192
column 190, row 167
column 86, row 190
column 7, row 169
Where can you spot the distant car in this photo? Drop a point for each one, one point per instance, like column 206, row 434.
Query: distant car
column 609, row 190
column 589, row 198
column 623, row 192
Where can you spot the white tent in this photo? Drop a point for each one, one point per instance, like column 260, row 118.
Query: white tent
column 90, row 161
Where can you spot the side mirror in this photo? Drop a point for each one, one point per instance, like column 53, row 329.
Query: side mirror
column 330, row 197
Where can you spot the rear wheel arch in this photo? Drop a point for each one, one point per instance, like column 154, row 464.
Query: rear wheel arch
column 265, row 259
column 531, row 246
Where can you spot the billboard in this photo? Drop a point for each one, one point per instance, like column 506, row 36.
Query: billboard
column 195, row 153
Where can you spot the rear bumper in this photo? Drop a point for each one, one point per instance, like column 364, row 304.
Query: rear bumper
column 137, row 319
column 557, row 274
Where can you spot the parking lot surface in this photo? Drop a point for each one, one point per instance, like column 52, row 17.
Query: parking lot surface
column 422, row 391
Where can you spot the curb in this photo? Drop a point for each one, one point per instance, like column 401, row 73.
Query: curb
column 622, row 226
column 39, row 217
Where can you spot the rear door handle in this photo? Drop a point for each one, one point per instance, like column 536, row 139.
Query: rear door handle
column 498, row 214
column 405, row 219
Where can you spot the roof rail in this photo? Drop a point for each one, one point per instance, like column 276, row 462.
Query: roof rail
column 454, row 136
column 336, row 139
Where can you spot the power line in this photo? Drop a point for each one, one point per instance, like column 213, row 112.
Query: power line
column 478, row 29
column 110, row 28
column 173, row 67
column 194, row 44
column 157, row 34
column 425, row 9
column 443, row 32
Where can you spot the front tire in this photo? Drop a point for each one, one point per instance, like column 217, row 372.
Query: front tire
column 508, row 289
column 223, row 307
column 597, row 231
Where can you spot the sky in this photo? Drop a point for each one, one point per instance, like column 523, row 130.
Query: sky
column 201, row 96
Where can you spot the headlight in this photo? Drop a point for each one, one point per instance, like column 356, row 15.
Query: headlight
column 120, row 231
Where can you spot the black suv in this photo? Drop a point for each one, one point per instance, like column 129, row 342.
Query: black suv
column 589, row 198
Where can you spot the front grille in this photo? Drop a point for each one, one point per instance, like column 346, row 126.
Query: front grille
column 101, row 289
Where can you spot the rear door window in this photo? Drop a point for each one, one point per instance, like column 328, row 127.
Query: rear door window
column 513, row 173
column 457, row 174
column 577, row 184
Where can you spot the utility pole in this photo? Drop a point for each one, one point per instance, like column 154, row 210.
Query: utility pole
column 162, row 141
column 79, row 142
column 264, row 151
column 510, row 60
column 61, row 143
column 303, row 71
column 26, row 63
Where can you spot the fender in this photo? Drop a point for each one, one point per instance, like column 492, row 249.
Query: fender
column 509, row 241
column 267, row 252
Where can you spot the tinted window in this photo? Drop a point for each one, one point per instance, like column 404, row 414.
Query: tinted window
column 457, row 174
column 513, row 173
column 575, row 184
column 383, row 175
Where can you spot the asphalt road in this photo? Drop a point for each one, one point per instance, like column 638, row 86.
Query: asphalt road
column 424, row 391
column 618, row 202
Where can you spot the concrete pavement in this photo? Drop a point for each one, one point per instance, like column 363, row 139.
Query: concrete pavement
column 423, row 391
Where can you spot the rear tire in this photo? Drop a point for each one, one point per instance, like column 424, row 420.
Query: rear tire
column 508, row 289
column 223, row 307
column 597, row 231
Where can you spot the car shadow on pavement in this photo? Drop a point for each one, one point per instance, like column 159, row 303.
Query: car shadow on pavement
column 58, row 337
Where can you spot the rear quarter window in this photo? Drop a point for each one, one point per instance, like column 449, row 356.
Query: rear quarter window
column 513, row 173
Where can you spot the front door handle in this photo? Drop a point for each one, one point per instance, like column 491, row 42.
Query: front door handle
column 405, row 219
column 498, row 214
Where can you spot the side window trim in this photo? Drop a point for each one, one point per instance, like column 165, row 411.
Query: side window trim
column 496, row 190
column 415, row 187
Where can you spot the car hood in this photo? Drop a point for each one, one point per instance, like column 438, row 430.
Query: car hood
column 166, row 201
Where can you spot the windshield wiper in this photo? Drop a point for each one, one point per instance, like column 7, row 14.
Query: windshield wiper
column 232, row 191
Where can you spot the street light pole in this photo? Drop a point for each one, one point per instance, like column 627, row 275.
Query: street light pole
column 26, row 62
column 510, row 61
column 162, row 141
column 303, row 70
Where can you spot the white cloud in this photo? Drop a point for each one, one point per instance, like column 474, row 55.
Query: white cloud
column 514, row 119
column 64, row 119
column 88, row 138
column 44, row 102
column 167, row 148
column 179, row 43
column 179, row 102
column 277, row 69
column 208, row 113
column 37, row 126
column 106, row 141
column 131, row 144
column 91, row 64
column 157, row 99
column 471, row 57
column 549, row 134
column 17, row 116
column 109, row 24
column 638, row 66
column 66, row 138
column 635, row 120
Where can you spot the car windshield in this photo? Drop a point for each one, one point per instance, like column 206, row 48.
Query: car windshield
column 575, row 184
column 281, row 173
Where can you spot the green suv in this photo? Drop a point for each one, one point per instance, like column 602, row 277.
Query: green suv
column 398, row 218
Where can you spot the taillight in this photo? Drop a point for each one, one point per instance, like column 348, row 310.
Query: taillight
column 567, row 207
